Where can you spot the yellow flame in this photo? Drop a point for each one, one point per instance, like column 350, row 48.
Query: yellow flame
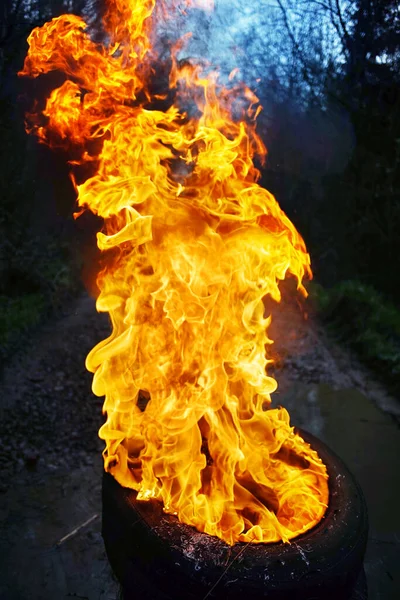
column 193, row 245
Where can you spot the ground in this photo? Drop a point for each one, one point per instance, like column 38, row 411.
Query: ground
column 50, row 456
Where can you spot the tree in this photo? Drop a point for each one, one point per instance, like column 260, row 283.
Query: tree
column 329, row 70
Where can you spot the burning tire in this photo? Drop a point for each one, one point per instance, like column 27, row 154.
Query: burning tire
column 157, row 558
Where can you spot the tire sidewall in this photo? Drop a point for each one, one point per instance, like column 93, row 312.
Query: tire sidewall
column 154, row 553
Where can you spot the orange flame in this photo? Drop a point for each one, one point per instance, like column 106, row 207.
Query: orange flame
column 194, row 246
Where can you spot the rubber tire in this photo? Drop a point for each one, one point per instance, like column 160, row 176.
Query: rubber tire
column 155, row 557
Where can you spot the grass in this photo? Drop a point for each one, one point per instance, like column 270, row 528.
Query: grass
column 35, row 286
column 19, row 314
column 364, row 319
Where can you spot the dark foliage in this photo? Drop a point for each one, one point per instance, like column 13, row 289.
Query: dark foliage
column 40, row 244
column 335, row 155
column 361, row 317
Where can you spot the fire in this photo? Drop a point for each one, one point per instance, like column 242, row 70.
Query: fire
column 192, row 245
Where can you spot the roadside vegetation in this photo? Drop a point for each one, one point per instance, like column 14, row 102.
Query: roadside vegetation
column 357, row 315
column 39, row 270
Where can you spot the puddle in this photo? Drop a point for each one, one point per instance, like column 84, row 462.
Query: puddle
column 368, row 441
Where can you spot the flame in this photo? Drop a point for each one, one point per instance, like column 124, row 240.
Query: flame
column 193, row 245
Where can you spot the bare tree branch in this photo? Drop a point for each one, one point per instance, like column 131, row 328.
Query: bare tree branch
column 346, row 36
column 298, row 52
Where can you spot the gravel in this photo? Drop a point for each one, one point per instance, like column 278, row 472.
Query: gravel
column 49, row 416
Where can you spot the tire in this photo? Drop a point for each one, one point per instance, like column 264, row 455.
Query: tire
column 155, row 557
